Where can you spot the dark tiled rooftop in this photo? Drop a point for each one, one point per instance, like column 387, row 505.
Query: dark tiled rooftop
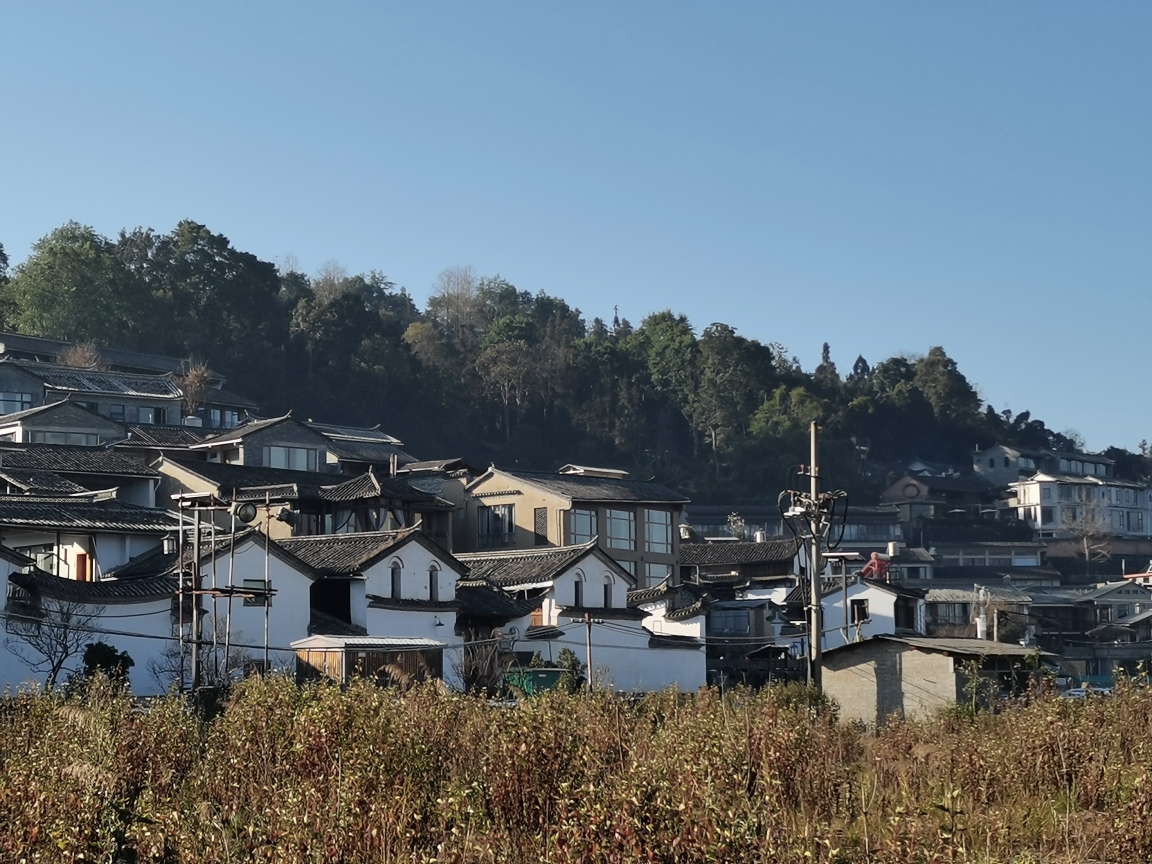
column 82, row 514
column 523, row 567
column 82, row 380
column 737, row 552
column 68, row 459
column 481, row 600
column 100, row 592
column 345, row 554
column 163, row 436
column 40, row 482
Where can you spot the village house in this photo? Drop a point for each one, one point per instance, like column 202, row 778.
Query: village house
column 634, row 521
column 574, row 587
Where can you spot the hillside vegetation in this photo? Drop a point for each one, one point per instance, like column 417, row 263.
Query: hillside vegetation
column 492, row 372
column 309, row 774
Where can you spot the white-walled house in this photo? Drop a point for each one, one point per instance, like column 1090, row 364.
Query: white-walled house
column 136, row 616
column 867, row 608
column 81, row 537
column 400, row 586
column 573, row 584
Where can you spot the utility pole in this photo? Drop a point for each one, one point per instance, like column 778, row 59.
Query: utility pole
column 816, row 585
column 809, row 515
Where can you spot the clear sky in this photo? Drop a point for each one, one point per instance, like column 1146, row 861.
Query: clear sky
column 881, row 176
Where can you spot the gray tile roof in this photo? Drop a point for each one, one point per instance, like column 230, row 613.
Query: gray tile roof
column 83, row 514
column 322, row 624
column 738, row 552
column 371, row 452
column 18, row 343
column 353, row 433
column 523, row 566
column 604, row 489
column 478, row 599
column 43, row 584
column 346, row 554
column 681, row 642
column 68, row 459
column 78, row 380
column 377, row 602
column 162, row 436
column 40, row 482
column 252, row 482
column 577, row 613
column 372, row 485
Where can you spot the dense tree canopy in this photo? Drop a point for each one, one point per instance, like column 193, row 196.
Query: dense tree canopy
column 490, row 371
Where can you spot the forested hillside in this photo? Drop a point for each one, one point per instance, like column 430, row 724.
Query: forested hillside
column 494, row 372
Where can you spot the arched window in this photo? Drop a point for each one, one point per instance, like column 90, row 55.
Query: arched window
column 608, row 590
column 578, row 590
column 395, row 568
column 433, row 583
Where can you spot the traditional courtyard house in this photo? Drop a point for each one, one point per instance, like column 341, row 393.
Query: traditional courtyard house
column 912, row 677
column 93, row 468
column 278, row 442
column 355, row 450
column 577, row 584
column 304, row 503
column 401, row 587
column 81, row 538
column 48, row 620
column 634, row 521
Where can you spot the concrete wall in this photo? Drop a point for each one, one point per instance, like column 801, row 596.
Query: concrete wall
column 874, row 680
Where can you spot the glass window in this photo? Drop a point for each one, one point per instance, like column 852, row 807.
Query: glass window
column 433, row 583
column 146, row 415
column 394, row 572
column 655, row 573
column 495, row 525
column 607, row 592
column 621, row 529
column 859, row 611
column 1007, row 462
column 578, row 593
column 231, row 419
column 292, row 458
column 257, row 597
column 658, row 531
column 116, row 412
column 10, row 403
column 734, row 621
column 582, row 524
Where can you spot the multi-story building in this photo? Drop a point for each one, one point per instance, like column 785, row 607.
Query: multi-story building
column 636, row 522
column 1064, row 505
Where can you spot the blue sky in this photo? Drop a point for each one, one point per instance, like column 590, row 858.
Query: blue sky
column 881, row 176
